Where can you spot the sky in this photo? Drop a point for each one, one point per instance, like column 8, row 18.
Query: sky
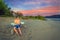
column 35, row 7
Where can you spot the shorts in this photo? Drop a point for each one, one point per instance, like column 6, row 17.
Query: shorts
column 18, row 26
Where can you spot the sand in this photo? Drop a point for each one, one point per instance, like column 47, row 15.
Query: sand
column 33, row 30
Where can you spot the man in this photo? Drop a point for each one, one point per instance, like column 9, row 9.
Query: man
column 17, row 27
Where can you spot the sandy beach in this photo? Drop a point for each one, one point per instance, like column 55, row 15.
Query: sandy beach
column 34, row 30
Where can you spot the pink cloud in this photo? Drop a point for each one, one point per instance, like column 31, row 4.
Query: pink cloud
column 43, row 11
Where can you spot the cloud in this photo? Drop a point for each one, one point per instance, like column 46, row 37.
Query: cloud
column 29, row 3
column 32, row 4
column 35, row 2
column 16, row 9
column 43, row 11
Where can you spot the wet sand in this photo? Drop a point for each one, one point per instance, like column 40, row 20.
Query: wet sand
column 34, row 30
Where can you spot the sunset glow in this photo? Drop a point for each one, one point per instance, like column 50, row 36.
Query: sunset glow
column 35, row 7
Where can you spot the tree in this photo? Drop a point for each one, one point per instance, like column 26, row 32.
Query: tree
column 2, row 7
column 40, row 17
column 4, row 10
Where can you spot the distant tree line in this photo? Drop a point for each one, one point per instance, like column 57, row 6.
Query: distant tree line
column 34, row 17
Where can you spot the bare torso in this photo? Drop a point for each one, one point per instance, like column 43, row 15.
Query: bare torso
column 17, row 21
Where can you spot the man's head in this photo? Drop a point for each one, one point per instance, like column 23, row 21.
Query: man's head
column 17, row 17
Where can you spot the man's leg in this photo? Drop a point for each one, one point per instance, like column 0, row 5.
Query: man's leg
column 16, row 31
column 19, row 29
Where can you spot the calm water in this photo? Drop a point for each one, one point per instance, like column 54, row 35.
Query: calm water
column 53, row 19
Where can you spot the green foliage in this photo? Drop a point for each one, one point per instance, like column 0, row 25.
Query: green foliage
column 34, row 17
column 4, row 10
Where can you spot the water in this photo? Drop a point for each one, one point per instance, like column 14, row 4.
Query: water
column 53, row 19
